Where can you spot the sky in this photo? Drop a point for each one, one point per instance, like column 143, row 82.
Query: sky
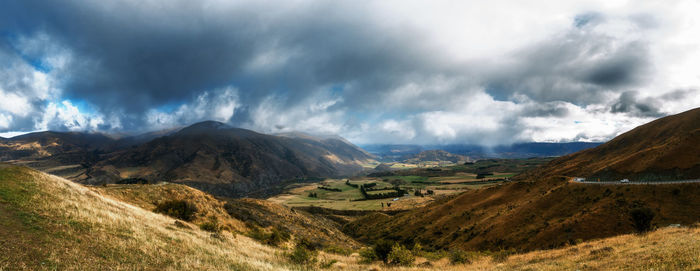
column 375, row 72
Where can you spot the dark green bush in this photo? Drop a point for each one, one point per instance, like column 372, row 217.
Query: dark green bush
column 382, row 249
column 302, row 255
column 458, row 256
column 641, row 219
column 368, row 255
column 211, row 225
column 274, row 238
column 180, row 209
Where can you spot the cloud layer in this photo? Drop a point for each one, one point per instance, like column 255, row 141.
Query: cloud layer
column 374, row 72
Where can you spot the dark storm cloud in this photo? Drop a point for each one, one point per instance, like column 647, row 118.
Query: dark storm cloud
column 134, row 56
column 577, row 66
column 549, row 109
column 630, row 103
column 678, row 94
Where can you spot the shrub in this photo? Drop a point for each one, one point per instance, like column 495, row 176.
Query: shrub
column 367, row 255
column 458, row 256
column 274, row 238
column 210, row 225
column 641, row 219
column 382, row 249
column 302, row 255
column 400, row 255
column 180, row 209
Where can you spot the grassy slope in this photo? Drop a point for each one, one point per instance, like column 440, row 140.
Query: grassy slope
column 50, row 223
column 146, row 196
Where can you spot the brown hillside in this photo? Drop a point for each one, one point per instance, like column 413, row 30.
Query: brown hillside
column 667, row 148
column 543, row 209
column 227, row 161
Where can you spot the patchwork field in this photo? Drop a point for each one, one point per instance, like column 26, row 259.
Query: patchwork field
column 351, row 198
column 420, row 186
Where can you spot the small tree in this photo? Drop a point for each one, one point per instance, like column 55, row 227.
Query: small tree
column 382, row 249
column 641, row 219
column 367, row 255
column 302, row 255
column 400, row 255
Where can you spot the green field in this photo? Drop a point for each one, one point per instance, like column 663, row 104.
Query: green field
column 442, row 181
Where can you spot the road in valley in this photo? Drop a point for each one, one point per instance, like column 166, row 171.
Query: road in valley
column 577, row 180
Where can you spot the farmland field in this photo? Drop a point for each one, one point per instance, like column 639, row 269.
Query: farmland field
column 338, row 194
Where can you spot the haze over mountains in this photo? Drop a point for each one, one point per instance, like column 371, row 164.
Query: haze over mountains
column 517, row 150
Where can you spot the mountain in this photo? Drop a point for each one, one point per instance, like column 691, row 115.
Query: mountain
column 664, row 149
column 437, row 155
column 390, row 152
column 543, row 209
column 229, row 161
column 45, row 144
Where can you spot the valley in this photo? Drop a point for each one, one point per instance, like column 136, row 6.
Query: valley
column 329, row 203
column 400, row 190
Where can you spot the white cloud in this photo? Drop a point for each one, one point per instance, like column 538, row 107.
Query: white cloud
column 66, row 116
column 219, row 105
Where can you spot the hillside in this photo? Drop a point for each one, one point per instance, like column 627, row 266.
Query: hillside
column 234, row 215
column 229, row 161
column 50, row 223
column 436, row 155
column 544, row 210
column 664, row 149
column 210, row 156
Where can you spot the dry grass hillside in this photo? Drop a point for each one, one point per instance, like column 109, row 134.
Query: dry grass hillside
column 49, row 223
column 544, row 210
column 664, row 149
column 234, row 215
column 148, row 196
column 531, row 215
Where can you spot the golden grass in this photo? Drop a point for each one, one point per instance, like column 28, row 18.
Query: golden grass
column 101, row 233
column 146, row 196
column 86, row 230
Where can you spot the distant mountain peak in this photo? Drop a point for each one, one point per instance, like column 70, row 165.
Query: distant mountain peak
column 210, row 124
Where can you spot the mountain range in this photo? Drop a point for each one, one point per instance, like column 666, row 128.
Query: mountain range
column 211, row 156
column 392, row 152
